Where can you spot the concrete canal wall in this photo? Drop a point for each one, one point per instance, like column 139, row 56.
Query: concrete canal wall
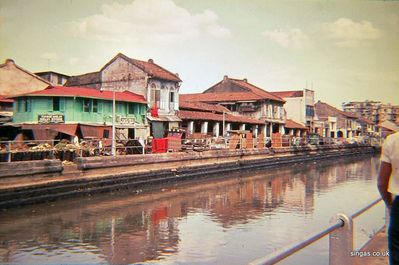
column 140, row 172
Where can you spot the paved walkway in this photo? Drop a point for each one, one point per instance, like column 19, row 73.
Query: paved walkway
column 379, row 246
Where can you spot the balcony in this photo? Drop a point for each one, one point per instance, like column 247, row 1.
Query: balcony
column 247, row 108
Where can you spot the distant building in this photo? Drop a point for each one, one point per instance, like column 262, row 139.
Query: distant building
column 65, row 112
column 299, row 106
column 157, row 85
column 375, row 111
column 243, row 98
column 336, row 123
column 56, row 79
column 15, row 80
column 294, row 128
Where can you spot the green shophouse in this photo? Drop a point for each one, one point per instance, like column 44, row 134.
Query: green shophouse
column 59, row 111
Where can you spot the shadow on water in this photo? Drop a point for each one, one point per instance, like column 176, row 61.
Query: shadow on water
column 232, row 218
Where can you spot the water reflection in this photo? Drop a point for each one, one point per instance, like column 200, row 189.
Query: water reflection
column 206, row 221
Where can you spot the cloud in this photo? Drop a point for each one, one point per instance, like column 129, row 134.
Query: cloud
column 348, row 33
column 147, row 21
column 292, row 38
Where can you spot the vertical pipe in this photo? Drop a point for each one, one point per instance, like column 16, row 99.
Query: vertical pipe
column 113, row 151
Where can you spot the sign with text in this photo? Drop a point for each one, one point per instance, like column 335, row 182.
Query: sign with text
column 127, row 120
column 51, row 118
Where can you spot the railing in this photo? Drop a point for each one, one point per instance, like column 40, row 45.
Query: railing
column 65, row 150
column 340, row 233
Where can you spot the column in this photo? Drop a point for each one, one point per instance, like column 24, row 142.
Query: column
column 255, row 130
column 190, row 128
column 242, row 127
column 281, row 129
column 271, row 129
column 228, row 128
column 204, row 127
column 216, row 128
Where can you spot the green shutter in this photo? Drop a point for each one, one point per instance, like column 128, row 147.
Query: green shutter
column 62, row 104
column 49, row 104
column 100, row 106
column 28, row 105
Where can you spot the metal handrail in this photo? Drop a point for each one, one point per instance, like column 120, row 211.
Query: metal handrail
column 295, row 247
column 341, row 241
column 359, row 212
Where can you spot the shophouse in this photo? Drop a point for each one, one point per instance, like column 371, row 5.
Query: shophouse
column 158, row 86
column 243, row 98
column 59, row 112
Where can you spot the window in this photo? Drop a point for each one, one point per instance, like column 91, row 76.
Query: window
column 24, row 105
column 56, row 104
column 86, row 105
column 106, row 134
column 172, row 96
column 95, row 105
column 131, row 108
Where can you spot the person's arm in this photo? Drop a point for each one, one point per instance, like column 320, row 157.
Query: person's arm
column 383, row 181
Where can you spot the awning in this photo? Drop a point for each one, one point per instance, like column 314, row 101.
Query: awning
column 50, row 131
column 92, row 131
column 171, row 118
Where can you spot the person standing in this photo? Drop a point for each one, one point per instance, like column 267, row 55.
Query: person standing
column 388, row 186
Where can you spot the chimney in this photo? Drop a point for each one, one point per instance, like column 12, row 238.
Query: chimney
column 10, row 62
column 245, row 80
column 225, row 78
column 150, row 60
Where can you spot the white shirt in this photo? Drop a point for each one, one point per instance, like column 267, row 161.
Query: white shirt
column 390, row 154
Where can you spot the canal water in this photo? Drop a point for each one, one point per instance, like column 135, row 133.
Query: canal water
column 230, row 219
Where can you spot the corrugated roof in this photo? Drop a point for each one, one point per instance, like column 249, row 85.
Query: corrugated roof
column 289, row 94
column 201, row 115
column 85, row 92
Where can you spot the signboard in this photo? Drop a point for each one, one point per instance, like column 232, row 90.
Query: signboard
column 51, row 118
column 127, row 120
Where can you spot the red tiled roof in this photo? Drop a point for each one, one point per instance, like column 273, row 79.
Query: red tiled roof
column 366, row 121
column 149, row 67
column 258, row 91
column 220, row 97
column 85, row 92
column 350, row 115
column 289, row 94
column 4, row 99
column 184, row 105
column 290, row 124
column 201, row 115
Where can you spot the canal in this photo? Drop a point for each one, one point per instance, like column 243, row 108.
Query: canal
column 230, row 219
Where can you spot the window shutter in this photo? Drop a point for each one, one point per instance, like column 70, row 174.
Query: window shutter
column 62, row 104
column 100, row 106
column 28, row 105
column 49, row 104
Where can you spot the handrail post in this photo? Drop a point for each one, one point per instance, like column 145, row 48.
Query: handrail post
column 341, row 241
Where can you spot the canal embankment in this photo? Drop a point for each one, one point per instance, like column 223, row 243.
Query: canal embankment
column 33, row 182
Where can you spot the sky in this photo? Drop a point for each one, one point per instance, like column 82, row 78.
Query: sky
column 343, row 50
